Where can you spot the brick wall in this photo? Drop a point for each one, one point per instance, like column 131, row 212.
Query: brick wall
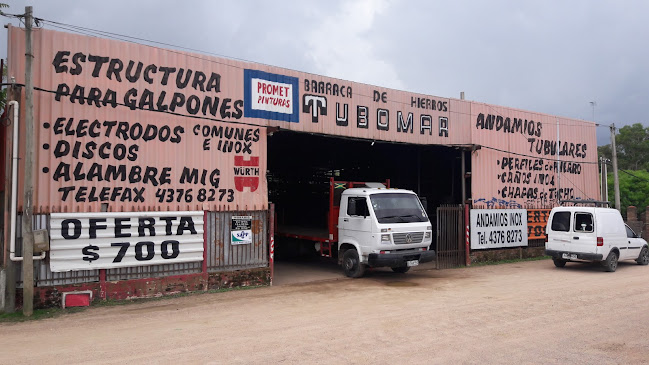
column 638, row 224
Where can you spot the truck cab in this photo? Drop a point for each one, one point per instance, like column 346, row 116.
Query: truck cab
column 382, row 227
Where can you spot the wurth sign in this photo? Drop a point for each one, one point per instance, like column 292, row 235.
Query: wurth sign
column 246, row 173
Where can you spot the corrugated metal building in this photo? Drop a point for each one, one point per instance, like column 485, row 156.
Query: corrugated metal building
column 122, row 127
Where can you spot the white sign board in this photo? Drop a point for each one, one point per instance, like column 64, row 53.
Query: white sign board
column 241, row 232
column 496, row 228
column 88, row 241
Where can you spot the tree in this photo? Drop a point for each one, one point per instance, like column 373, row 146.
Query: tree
column 632, row 144
column 634, row 190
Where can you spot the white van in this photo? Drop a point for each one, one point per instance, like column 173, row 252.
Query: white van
column 592, row 234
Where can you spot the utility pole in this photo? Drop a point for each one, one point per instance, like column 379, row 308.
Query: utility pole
column 28, row 234
column 602, row 195
column 616, row 182
column 604, row 179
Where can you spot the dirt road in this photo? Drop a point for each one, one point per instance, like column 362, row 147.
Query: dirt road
column 523, row 313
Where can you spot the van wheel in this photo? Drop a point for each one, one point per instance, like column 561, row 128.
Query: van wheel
column 643, row 259
column 401, row 269
column 610, row 264
column 352, row 264
column 559, row 262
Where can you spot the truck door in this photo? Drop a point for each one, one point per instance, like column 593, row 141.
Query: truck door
column 355, row 224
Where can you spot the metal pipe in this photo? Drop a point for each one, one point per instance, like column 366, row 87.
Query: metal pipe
column 616, row 181
column 463, row 175
column 14, row 193
column 558, row 166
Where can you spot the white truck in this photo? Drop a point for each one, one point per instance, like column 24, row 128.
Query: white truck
column 593, row 234
column 372, row 226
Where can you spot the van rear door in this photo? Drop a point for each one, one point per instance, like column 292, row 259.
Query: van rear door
column 559, row 231
column 583, row 237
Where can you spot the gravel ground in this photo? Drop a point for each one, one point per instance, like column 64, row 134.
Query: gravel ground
column 521, row 313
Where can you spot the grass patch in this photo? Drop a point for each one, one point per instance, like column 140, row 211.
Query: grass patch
column 509, row 261
column 55, row 312
column 37, row 315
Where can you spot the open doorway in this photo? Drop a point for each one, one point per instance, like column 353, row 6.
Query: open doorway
column 301, row 165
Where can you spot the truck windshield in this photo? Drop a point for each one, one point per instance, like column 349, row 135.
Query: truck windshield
column 397, row 208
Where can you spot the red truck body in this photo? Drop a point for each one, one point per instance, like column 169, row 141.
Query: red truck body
column 326, row 238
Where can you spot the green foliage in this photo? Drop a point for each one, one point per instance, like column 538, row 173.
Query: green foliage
column 633, row 190
column 634, row 147
column 632, row 144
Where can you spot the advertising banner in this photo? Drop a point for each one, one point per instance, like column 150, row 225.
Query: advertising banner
column 497, row 228
column 88, row 241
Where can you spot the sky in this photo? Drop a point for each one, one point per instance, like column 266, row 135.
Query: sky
column 554, row 57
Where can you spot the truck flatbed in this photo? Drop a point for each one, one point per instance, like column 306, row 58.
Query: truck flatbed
column 304, row 233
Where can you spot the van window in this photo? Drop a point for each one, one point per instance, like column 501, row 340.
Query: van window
column 629, row 232
column 583, row 222
column 358, row 206
column 561, row 221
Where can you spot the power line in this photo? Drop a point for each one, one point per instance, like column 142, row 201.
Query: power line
column 537, row 157
column 262, row 126
column 155, row 110
column 637, row 177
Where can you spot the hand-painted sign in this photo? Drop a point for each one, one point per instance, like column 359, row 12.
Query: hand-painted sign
column 139, row 129
column 144, row 128
column 531, row 158
column 496, row 228
column 88, row 241
column 241, row 230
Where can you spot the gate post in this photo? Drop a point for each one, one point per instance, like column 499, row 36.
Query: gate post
column 271, row 240
column 467, row 237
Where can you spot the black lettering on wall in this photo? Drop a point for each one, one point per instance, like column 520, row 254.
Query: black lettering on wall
column 406, row 126
column 343, row 120
column 314, row 105
column 382, row 119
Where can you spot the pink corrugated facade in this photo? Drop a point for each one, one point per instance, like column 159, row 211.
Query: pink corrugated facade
column 523, row 162
column 130, row 127
column 92, row 148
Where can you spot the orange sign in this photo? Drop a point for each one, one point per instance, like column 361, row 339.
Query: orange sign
column 537, row 219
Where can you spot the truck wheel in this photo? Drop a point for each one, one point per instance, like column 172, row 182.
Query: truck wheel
column 643, row 259
column 610, row 264
column 401, row 269
column 352, row 264
column 559, row 262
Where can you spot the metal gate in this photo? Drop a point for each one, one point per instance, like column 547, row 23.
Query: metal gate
column 450, row 245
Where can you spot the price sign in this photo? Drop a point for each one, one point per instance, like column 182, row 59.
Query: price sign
column 88, row 241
